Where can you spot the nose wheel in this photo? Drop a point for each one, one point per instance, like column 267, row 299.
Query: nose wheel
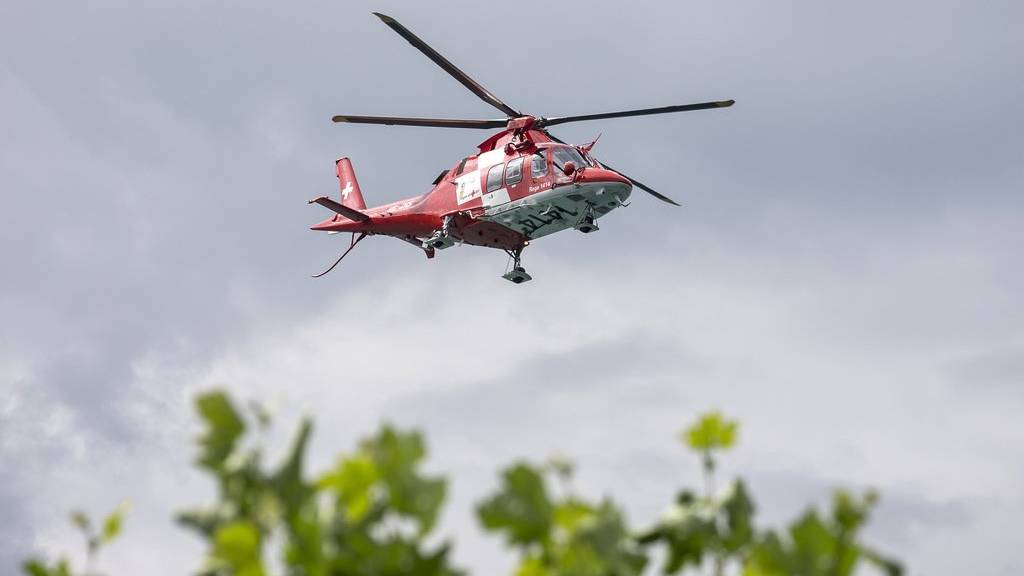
column 517, row 274
column 586, row 223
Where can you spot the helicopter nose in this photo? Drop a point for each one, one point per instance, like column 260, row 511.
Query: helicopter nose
column 591, row 175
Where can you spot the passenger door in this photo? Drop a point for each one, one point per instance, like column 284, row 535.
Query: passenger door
column 495, row 193
column 540, row 175
column 517, row 180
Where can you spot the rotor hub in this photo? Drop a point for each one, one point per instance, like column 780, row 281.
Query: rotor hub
column 521, row 123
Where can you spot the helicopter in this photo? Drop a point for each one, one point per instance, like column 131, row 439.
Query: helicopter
column 522, row 184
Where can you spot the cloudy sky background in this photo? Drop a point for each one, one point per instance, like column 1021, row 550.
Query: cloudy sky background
column 844, row 276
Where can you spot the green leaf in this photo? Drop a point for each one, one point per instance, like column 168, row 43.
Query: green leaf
column 561, row 466
column 532, row 566
column 604, row 545
column 738, row 508
column 768, row 558
column 202, row 520
column 571, row 513
column 261, row 413
column 352, row 482
column 850, row 512
column 814, row 545
column 394, row 451
column 81, row 521
column 36, row 568
column 580, row 560
column 423, row 501
column 290, row 489
column 689, row 541
column 397, row 456
column 112, row 524
column 238, row 545
column 711, row 432
column 889, row 566
column 306, row 546
column 223, row 428
column 522, row 508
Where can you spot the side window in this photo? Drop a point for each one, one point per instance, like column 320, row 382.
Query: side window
column 538, row 165
column 494, row 177
column 514, row 172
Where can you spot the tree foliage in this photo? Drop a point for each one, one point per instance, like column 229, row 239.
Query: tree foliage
column 375, row 512
column 95, row 539
column 370, row 514
column 559, row 534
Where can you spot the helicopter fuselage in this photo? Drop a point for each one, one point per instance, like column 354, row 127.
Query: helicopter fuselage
column 516, row 189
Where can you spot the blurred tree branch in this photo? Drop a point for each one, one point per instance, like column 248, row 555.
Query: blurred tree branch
column 374, row 513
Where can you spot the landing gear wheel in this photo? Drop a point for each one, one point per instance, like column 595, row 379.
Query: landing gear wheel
column 441, row 239
column 586, row 223
column 517, row 274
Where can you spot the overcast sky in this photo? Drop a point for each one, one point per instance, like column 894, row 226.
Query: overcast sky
column 844, row 276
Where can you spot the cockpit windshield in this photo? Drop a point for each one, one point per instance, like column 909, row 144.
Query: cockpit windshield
column 562, row 154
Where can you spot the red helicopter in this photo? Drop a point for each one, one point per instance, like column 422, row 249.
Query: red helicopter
column 523, row 184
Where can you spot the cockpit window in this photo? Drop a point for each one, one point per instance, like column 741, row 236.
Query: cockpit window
column 494, row 177
column 562, row 154
column 514, row 172
column 538, row 165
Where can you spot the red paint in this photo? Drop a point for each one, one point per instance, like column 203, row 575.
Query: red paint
column 421, row 216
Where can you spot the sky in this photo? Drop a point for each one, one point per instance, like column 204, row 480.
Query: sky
column 844, row 275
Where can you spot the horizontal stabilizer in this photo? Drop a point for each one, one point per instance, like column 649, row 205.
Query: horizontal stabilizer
column 350, row 213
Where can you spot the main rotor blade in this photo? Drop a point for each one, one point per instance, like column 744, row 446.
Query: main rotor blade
column 635, row 182
column 434, row 122
column 641, row 112
column 643, row 186
column 448, row 67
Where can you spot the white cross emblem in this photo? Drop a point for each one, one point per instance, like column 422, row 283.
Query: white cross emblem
column 346, row 190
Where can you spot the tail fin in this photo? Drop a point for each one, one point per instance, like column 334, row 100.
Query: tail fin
column 351, row 196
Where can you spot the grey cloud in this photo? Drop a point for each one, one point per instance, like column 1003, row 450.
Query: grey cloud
column 999, row 368
column 900, row 513
column 542, row 392
column 784, row 494
column 157, row 159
